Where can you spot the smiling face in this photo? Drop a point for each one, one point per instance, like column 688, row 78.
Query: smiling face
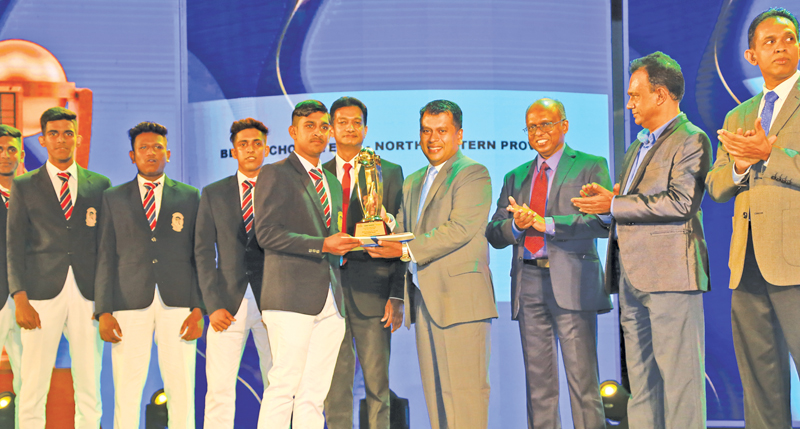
column 311, row 134
column 439, row 138
column 11, row 154
column 250, row 149
column 60, row 139
column 775, row 50
column 348, row 127
column 150, row 155
column 546, row 143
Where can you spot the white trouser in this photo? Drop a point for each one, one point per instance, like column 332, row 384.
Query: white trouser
column 9, row 338
column 304, row 350
column 223, row 357
column 71, row 314
column 131, row 359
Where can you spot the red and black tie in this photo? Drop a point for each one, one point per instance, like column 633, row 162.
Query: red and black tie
column 64, row 197
column 247, row 205
column 149, row 204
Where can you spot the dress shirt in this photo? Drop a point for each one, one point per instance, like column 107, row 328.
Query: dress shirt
column 53, row 171
column 549, row 224
column 8, row 191
column 412, row 266
column 157, row 192
column 782, row 91
column 308, row 166
column 241, row 178
column 353, row 173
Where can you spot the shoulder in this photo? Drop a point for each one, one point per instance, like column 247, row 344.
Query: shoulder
column 28, row 177
column 467, row 164
column 183, row 188
column 588, row 158
column 691, row 131
column 520, row 170
column 219, row 186
column 96, row 176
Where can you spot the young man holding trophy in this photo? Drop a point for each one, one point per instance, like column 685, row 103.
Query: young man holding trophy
column 372, row 288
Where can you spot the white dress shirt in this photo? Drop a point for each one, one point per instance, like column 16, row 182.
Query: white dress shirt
column 53, row 171
column 240, row 177
column 157, row 192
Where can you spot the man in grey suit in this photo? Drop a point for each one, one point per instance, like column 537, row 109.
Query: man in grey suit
column 556, row 277
column 372, row 288
column 760, row 168
column 146, row 284
column 449, row 290
column 657, row 258
column 301, row 298
column 52, row 255
column 230, row 266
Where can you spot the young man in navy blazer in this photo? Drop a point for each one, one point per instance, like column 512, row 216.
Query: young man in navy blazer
column 147, row 282
column 52, row 251
column 230, row 267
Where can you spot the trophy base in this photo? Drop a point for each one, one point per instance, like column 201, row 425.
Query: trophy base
column 371, row 229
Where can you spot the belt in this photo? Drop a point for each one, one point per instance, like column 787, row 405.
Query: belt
column 541, row 263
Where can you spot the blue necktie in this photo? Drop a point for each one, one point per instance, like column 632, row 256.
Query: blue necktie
column 432, row 172
column 766, row 113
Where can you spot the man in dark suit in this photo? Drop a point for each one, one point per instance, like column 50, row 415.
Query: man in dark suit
column 657, row 257
column 147, row 282
column 12, row 155
column 556, row 277
column 449, row 289
column 230, row 267
column 52, row 254
column 296, row 207
column 372, row 288
column 760, row 169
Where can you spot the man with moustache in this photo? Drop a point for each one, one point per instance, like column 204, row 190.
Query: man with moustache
column 449, row 290
column 556, row 277
column 301, row 299
column 760, row 168
column 12, row 155
column 230, row 267
column 372, row 288
column 146, row 282
column 51, row 253
column 657, row 257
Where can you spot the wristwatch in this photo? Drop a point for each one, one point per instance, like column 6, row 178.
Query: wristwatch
column 406, row 254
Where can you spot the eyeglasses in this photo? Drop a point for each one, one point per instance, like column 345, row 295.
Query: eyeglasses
column 545, row 127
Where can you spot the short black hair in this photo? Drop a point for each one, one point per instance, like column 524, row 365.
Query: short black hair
column 661, row 70
column 773, row 12
column 308, row 107
column 246, row 124
column 437, row 107
column 347, row 102
column 57, row 114
column 9, row 131
column 146, row 127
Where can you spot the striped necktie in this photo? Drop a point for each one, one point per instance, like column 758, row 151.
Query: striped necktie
column 149, row 204
column 247, row 205
column 534, row 240
column 6, row 196
column 64, row 197
column 323, row 196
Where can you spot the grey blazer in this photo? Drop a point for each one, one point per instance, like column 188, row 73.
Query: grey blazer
column 770, row 197
column 42, row 244
column 575, row 269
column 659, row 222
column 227, row 260
column 290, row 227
column 133, row 259
column 450, row 248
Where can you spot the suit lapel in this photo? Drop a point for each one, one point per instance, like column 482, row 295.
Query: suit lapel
column 661, row 139
column 787, row 110
column 562, row 172
column 135, row 199
column 627, row 163
column 46, row 187
column 443, row 174
column 231, row 198
column 413, row 198
column 84, row 182
column 168, row 206
column 308, row 184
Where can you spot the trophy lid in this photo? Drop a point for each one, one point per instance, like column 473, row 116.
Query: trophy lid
column 367, row 157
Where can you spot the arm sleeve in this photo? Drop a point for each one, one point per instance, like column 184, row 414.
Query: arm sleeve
column 581, row 226
column 205, row 255
column 17, row 231
column 107, row 262
column 501, row 231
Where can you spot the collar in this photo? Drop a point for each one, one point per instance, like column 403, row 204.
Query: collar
column 552, row 162
column 340, row 162
column 240, row 177
column 2, row 188
column 307, row 165
column 437, row 167
column 644, row 134
column 52, row 170
column 142, row 180
column 784, row 87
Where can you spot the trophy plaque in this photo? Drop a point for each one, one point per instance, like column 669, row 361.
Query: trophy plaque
column 370, row 195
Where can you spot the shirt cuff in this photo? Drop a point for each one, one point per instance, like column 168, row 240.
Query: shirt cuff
column 411, row 254
column 740, row 179
column 392, row 223
column 396, row 299
column 549, row 226
column 516, row 231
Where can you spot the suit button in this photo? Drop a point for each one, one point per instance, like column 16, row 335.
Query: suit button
column 69, row 226
column 247, row 249
column 744, row 215
column 69, row 253
column 248, row 273
column 155, row 261
column 153, row 239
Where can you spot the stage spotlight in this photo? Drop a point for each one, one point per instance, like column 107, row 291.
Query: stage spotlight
column 7, row 410
column 156, row 416
column 615, row 403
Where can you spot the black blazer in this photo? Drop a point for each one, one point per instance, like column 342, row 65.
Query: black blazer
column 372, row 281
column 42, row 244
column 290, row 227
column 134, row 259
column 226, row 259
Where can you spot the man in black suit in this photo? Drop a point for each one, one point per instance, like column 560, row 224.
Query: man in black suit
column 230, row 267
column 147, row 283
column 52, row 254
column 296, row 207
column 372, row 288
column 11, row 155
